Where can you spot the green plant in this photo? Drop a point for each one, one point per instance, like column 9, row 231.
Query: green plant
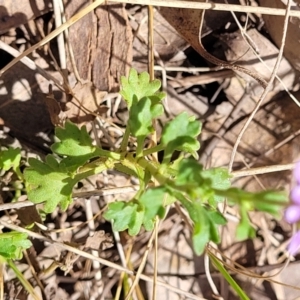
column 198, row 190
column 183, row 179
column 13, row 243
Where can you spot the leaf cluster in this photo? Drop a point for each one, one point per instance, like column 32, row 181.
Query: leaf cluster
column 199, row 191
column 132, row 215
column 12, row 244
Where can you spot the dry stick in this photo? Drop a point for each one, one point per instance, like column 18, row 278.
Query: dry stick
column 186, row 69
column 92, row 257
column 15, row 205
column 69, row 46
column 141, row 267
column 209, row 278
column 223, row 64
column 44, row 228
column 150, row 42
column 213, row 6
column 154, row 287
column 262, row 170
column 155, row 157
column 33, row 272
column 54, row 33
column 57, row 5
column 1, row 281
column 268, row 87
column 237, row 268
column 124, row 260
column 104, row 192
column 29, row 63
column 255, row 176
column 92, row 230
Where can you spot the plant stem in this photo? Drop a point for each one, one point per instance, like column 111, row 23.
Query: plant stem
column 228, row 278
column 147, row 165
column 95, row 167
column 140, row 146
column 153, row 150
column 110, row 154
column 125, row 140
column 23, row 280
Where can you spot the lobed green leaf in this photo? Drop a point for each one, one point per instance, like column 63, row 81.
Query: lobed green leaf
column 138, row 86
column 153, row 203
column 245, row 231
column 191, row 180
column 48, row 182
column 270, row 201
column 75, row 144
column 181, row 134
column 267, row 201
column 141, row 116
column 205, row 229
column 219, row 179
column 10, row 158
column 12, row 244
column 132, row 215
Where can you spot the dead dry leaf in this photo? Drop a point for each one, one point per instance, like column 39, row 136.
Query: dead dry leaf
column 85, row 104
column 237, row 49
column 187, row 22
column 57, row 116
column 99, row 241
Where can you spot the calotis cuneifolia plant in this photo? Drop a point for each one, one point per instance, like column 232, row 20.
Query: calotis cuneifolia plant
column 161, row 183
column 292, row 213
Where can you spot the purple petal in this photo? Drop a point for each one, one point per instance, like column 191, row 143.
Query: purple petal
column 294, row 244
column 295, row 194
column 297, row 172
column 292, row 214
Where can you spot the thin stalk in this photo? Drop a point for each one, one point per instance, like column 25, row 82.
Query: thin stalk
column 250, row 197
column 109, row 154
column 1, row 280
column 153, row 150
column 152, row 169
column 23, row 280
column 140, row 146
column 125, row 140
column 95, row 167
column 228, row 278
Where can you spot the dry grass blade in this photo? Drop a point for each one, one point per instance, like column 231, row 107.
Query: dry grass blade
column 124, row 266
column 268, row 87
column 106, row 192
column 141, row 267
column 1, row 282
column 262, row 170
column 212, row 6
column 237, row 268
column 154, row 289
column 28, row 62
column 15, row 205
column 92, row 257
column 57, row 7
